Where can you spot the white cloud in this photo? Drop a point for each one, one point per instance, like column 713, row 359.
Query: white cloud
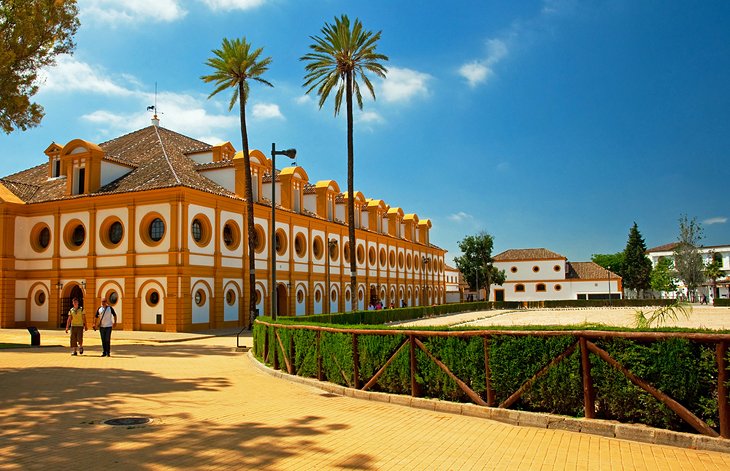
column 303, row 100
column 460, row 217
column 70, row 75
column 131, row 11
column 267, row 111
column 227, row 5
column 369, row 117
column 479, row 71
column 715, row 220
column 474, row 73
column 404, row 84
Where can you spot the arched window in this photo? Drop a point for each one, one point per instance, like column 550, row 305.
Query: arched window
column 519, row 288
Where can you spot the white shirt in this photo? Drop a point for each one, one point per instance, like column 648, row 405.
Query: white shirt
column 106, row 319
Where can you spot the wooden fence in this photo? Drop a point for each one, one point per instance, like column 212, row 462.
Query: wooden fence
column 585, row 342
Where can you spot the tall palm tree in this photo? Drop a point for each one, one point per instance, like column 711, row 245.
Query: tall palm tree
column 233, row 65
column 341, row 57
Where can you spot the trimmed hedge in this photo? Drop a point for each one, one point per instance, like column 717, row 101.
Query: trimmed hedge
column 721, row 302
column 683, row 369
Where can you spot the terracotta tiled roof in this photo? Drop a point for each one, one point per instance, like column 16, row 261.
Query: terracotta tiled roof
column 665, row 248
column 527, row 254
column 588, row 271
column 157, row 159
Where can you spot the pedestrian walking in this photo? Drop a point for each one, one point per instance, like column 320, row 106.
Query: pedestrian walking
column 77, row 323
column 106, row 319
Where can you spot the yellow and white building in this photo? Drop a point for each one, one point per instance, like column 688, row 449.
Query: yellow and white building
column 155, row 222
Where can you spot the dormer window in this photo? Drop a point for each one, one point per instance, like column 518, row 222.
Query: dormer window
column 79, row 180
column 56, row 168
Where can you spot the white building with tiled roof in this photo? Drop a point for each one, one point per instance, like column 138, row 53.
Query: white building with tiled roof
column 155, row 222
column 719, row 252
column 540, row 275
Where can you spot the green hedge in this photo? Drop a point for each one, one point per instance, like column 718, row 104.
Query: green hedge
column 684, row 370
column 386, row 316
column 721, row 302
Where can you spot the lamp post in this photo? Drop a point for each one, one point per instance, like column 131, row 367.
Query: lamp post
column 331, row 244
column 291, row 153
column 608, row 268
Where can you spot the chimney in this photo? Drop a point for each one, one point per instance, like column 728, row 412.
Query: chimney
column 155, row 120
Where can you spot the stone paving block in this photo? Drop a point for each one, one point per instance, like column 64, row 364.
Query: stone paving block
column 668, row 437
column 703, row 442
column 598, row 427
column 380, row 396
column 474, row 410
column 570, row 424
column 448, row 407
column 635, row 432
column 421, row 403
column 533, row 419
column 401, row 400
column 360, row 394
column 505, row 415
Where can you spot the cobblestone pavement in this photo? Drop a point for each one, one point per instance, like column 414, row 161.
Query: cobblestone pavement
column 211, row 408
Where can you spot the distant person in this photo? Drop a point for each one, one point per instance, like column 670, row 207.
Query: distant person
column 107, row 319
column 403, row 303
column 77, row 323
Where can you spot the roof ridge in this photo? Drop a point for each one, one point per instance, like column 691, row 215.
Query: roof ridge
column 167, row 158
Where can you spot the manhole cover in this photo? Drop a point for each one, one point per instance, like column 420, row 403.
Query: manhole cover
column 127, row 421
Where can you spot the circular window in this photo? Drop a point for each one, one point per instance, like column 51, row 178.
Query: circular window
column 347, row 296
column 346, row 253
column 200, row 230
column 334, row 252
column 558, row 287
column 232, row 235
column 556, row 268
column 400, row 261
column 317, row 296
column 259, row 239
column 391, row 259
column 258, row 296
column 74, row 235
column 112, row 297
column 111, row 232
column 40, row 237
column 536, row 269
column 361, row 255
column 200, row 297
column 333, row 296
column 156, row 230
column 317, row 247
column 300, row 296
column 408, row 261
column 513, row 269
column 300, row 245
column 40, row 298
column 153, row 297
column 360, row 295
column 230, row 297
column 371, row 256
column 381, row 257
column 280, row 242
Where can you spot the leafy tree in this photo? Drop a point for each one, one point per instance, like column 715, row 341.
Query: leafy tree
column 32, row 34
column 340, row 58
column 233, row 65
column 687, row 258
column 477, row 262
column 714, row 270
column 636, row 272
column 662, row 275
column 612, row 261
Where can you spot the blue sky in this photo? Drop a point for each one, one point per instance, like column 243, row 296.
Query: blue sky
column 547, row 123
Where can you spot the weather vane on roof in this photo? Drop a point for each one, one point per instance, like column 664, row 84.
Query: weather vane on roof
column 153, row 108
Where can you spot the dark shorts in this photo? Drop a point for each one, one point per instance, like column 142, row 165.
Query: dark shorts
column 77, row 336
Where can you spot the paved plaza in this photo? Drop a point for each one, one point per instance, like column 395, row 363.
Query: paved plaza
column 213, row 408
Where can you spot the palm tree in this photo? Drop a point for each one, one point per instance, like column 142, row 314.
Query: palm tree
column 341, row 57
column 234, row 63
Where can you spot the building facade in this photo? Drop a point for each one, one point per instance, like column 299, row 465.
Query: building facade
column 155, row 222
column 720, row 288
column 542, row 275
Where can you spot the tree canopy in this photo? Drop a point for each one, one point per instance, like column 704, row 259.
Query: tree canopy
column 662, row 276
column 636, row 272
column 610, row 261
column 476, row 262
column 687, row 259
column 32, row 34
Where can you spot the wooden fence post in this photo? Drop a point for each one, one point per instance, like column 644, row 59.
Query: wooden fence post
column 488, row 374
column 276, row 352
column 589, row 404
column 722, row 379
column 266, row 343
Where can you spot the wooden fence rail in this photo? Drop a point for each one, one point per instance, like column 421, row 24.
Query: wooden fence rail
column 584, row 342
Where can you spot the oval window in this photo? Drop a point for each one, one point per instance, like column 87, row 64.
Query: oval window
column 78, row 236
column 157, row 230
column 116, row 232
column 230, row 297
column 112, row 297
column 200, row 297
column 153, row 297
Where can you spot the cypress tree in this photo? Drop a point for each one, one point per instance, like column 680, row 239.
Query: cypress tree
column 637, row 266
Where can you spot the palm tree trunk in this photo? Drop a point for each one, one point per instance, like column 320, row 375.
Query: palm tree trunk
column 351, row 193
column 249, row 211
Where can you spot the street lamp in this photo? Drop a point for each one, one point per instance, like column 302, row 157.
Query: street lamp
column 291, row 153
column 331, row 245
